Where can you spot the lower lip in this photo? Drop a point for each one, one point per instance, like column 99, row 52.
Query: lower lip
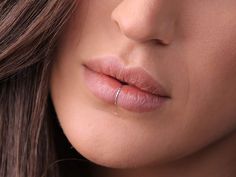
column 130, row 98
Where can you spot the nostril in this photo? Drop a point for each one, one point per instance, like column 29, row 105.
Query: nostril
column 159, row 41
column 117, row 26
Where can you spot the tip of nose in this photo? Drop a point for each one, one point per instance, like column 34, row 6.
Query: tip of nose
column 137, row 29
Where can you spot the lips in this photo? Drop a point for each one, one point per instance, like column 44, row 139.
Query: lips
column 139, row 91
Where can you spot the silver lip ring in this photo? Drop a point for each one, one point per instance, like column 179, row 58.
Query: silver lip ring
column 117, row 95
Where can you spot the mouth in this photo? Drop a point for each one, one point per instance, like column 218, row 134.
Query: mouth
column 131, row 88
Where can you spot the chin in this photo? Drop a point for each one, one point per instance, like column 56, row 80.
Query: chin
column 121, row 154
column 115, row 143
column 114, row 159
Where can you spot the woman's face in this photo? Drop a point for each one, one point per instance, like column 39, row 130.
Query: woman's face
column 187, row 46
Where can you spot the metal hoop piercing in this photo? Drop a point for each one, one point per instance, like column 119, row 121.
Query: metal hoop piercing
column 117, row 95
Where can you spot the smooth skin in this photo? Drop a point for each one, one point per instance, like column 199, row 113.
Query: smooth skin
column 189, row 46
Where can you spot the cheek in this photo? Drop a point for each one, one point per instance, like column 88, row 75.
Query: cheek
column 210, row 58
column 211, row 103
column 209, row 96
column 212, row 70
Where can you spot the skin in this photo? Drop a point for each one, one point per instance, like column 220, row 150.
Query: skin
column 186, row 45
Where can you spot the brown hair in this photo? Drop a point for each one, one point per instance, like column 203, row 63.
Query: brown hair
column 29, row 31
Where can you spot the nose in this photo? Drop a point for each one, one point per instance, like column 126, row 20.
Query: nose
column 146, row 20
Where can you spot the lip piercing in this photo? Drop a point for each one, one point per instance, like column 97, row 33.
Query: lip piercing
column 117, row 95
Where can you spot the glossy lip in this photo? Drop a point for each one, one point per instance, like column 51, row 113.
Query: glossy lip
column 140, row 92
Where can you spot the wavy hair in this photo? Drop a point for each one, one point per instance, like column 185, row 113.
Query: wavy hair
column 29, row 31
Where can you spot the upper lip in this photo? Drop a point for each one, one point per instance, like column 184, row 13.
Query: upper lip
column 135, row 76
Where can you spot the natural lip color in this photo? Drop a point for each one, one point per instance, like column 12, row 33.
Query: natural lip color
column 139, row 91
column 135, row 76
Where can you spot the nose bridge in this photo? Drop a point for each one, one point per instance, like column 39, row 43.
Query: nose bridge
column 143, row 20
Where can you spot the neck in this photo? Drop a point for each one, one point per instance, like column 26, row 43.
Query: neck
column 216, row 160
